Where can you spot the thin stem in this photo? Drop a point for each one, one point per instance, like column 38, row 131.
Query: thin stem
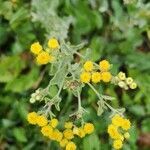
column 101, row 98
column 80, row 55
column 79, row 101
column 96, row 92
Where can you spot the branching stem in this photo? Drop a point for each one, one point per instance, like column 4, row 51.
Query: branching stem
column 101, row 98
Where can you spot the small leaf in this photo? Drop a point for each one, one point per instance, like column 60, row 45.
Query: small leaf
column 59, row 76
column 106, row 97
column 100, row 107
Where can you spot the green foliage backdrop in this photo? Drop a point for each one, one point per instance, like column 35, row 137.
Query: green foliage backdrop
column 118, row 30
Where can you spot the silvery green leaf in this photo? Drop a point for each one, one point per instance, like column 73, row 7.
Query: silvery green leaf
column 100, row 110
column 57, row 106
column 53, row 69
column 56, row 101
column 59, row 77
column 74, row 67
column 121, row 110
column 53, row 24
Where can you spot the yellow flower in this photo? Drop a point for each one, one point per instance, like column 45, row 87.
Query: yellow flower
column 42, row 121
column 81, row 132
column 88, row 66
column 85, row 77
column 53, row 43
column 47, row 130
column 126, row 124
column 56, row 135
column 121, row 76
column 59, row 136
column 76, row 130
column 36, row 48
column 96, row 77
column 51, row 135
column 127, row 135
column 117, row 120
column 106, row 76
column 129, row 80
column 32, row 118
column 88, row 128
column 43, row 58
column 71, row 146
column 68, row 125
column 133, row 85
column 54, row 123
column 104, row 65
column 117, row 144
column 63, row 142
column 68, row 134
column 113, row 132
column 121, row 137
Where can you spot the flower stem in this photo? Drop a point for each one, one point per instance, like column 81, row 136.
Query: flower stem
column 96, row 92
column 101, row 98
column 79, row 101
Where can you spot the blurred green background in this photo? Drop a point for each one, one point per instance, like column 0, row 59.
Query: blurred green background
column 118, row 30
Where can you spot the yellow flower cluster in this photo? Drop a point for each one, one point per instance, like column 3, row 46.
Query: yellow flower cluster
column 88, row 128
column 34, row 118
column 125, row 82
column 118, row 130
column 49, row 130
column 91, row 73
column 44, row 57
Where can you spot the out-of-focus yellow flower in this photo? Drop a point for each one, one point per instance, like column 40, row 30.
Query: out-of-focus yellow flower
column 57, row 135
column 81, row 132
column 68, row 125
column 85, row 77
column 54, row 122
column 68, row 134
column 32, row 118
column 43, row 58
column 104, row 65
column 63, row 142
column 129, row 80
column 53, row 43
column 106, row 76
column 42, row 121
column 76, row 130
column 96, row 77
column 36, row 48
column 117, row 144
column 71, row 146
column 47, row 130
column 127, row 135
column 88, row 128
column 117, row 120
column 113, row 132
column 121, row 76
column 126, row 124
column 133, row 85
column 88, row 66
